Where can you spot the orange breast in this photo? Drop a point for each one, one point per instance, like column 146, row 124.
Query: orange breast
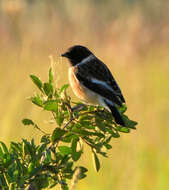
column 79, row 90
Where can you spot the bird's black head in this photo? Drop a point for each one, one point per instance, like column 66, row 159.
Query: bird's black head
column 76, row 54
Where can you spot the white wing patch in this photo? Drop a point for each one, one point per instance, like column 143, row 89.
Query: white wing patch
column 87, row 59
column 102, row 83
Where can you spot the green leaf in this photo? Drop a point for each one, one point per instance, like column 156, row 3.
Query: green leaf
column 48, row 88
column 81, row 132
column 65, row 150
column 108, row 146
column 45, row 139
column 100, row 125
column 75, row 155
column 3, row 181
column 103, row 154
column 91, row 108
column 37, row 100
column 53, row 184
column 68, row 175
column 48, row 157
column 129, row 123
column 5, row 149
column 114, row 134
column 1, row 153
column 96, row 161
column 59, row 119
column 83, row 169
column 108, row 139
column 51, row 105
column 63, row 88
column 123, row 129
column 29, row 148
column 68, row 137
column 27, row 122
column 36, row 81
column 30, row 122
column 89, row 127
column 64, row 160
column 57, row 134
column 80, row 172
column 85, row 123
column 41, row 149
column 69, row 166
column 98, row 134
column 31, row 167
column 7, row 160
column 85, row 117
column 12, row 186
column 75, row 139
column 56, row 93
column 43, row 181
column 82, row 176
column 122, row 109
column 15, row 147
column 50, row 76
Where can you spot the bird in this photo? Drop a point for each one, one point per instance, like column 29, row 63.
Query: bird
column 92, row 81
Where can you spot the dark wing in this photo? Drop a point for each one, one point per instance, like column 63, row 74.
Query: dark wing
column 95, row 75
column 115, row 113
column 115, row 86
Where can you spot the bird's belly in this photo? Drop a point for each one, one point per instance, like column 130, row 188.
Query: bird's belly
column 81, row 91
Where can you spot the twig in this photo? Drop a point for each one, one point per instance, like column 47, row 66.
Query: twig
column 75, row 178
column 71, row 119
column 36, row 127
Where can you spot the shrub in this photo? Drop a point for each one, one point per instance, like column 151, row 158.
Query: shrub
column 54, row 160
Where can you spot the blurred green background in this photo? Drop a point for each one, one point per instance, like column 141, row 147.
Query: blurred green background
column 132, row 38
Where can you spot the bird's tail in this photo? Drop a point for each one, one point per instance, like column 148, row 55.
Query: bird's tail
column 117, row 117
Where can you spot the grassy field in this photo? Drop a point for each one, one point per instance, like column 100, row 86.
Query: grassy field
column 134, row 44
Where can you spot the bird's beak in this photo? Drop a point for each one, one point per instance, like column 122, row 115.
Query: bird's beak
column 65, row 54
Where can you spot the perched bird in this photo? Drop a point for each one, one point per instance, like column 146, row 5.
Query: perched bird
column 92, row 81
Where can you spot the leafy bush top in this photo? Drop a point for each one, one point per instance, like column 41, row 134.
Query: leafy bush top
column 27, row 165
